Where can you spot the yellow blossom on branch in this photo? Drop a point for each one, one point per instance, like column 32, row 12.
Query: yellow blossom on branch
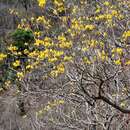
column 2, row 56
column 20, row 75
column 89, row 27
column 86, row 60
column 12, row 48
column 68, row 58
column 106, row 3
column 54, row 73
column 52, row 60
column 117, row 62
column 42, row 3
column 126, row 34
column 16, row 63
column 29, row 67
column 127, row 62
column 49, row 106
column 61, row 68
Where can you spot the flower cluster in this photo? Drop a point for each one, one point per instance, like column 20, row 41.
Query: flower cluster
column 49, row 106
column 42, row 3
column 58, row 36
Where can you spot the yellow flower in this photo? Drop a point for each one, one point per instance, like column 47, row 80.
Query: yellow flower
column 7, row 84
column 89, row 27
column 109, row 16
column 29, row 67
column 64, row 19
column 119, row 51
column 16, row 63
column 37, row 34
column 114, row 13
column 26, row 51
column 117, row 62
column 44, row 54
column 67, row 58
column 38, row 42
column 58, row 53
column 106, row 3
column 65, row 44
column 75, row 9
column 84, row 49
column 61, row 68
column 61, row 38
column 42, row 3
column 58, row 2
column 113, row 50
column 102, row 55
column 61, row 101
column 126, row 34
column 100, row 17
column 76, row 24
column 19, row 53
column 12, row 48
column 47, row 42
column 123, row 104
column 47, row 108
column 93, row 43
column 127, row 62
column 19, row 26
column 41, row 19
column 52, row 60
column 47, row 39
column 2, row 56
column 61, row 8
column 97, row 10
column 20, row 75
column 86, row 60
column 54, row 73
column 33, row 54
column 32, row 19
column 35, row 64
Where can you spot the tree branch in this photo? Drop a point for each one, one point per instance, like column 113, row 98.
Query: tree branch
column 125, row 111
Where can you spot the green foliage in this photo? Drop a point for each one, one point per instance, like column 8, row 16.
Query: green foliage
column 21, row 36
